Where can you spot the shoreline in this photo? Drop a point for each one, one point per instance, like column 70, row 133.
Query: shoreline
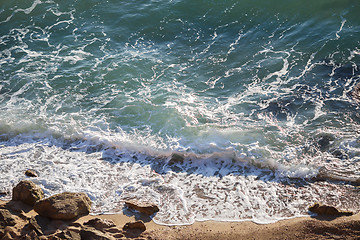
column 345, row 227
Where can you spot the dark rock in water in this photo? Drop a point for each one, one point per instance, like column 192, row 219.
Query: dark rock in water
column 324, row 142
column 90, row 233
column 339, row 153
column 3, row 192
column 27, row 192
column 100, row 224
column 6, row 218
column 31, row 173
column 64, row 206
column 356, row 92
column 147, row 208
column 326, row 210
column 138, row 225
column 176, row 158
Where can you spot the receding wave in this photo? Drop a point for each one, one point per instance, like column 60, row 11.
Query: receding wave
column 220, row 110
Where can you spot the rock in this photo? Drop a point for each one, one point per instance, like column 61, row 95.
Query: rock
column 138, row 225
column 89, row 233
column 64, row 206
column 118, row 235
column 75, row 224
column 326, row 210
column 68, row 234
column 113, row 230
column 33, row 224
column 31, row 173
column 3, row 192
column 100, row 224
column 30, row 236
column 6, row 218
column 147, row 208
column 27, row 192
column 356, row 92
column 324, row 141
column 74, row 229
column 176, row 158
column 23, row 215
column 11, row 233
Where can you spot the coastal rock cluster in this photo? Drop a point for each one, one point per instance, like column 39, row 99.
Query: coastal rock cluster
column 31, row 216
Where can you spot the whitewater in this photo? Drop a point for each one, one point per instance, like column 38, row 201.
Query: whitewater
column 213, row 110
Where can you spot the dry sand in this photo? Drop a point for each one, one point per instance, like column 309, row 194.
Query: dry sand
column 297, row 228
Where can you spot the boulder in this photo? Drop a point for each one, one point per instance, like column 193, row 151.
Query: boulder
column 137, row 225
column 6, row 218
column 325, row 210
column 143, row 207
column 27, row 192
column 100, row 224
column 31, row 173
column 64, row 206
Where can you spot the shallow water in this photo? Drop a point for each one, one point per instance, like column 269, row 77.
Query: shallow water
column 220, row 110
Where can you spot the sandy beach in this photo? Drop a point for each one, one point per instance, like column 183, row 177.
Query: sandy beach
column 296, row 228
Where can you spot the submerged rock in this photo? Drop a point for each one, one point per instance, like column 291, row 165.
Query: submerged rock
column 356, row 92
column 64, row 206
column 3, row 192
column 138, row 225
column 31, row 173
column 324, row 141
column 176, row 158
column 326, row 210
column 147, row 208
column 27, row 192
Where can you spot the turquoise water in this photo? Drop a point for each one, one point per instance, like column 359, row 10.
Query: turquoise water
column 255, row 96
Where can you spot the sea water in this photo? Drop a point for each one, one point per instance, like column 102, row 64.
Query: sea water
column 213, row 110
